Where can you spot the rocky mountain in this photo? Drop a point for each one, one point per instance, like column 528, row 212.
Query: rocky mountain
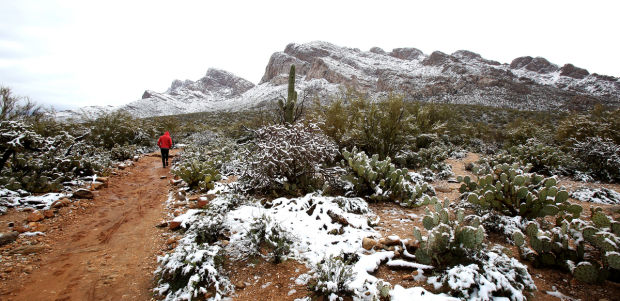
column 461, row 77
column 325, row 70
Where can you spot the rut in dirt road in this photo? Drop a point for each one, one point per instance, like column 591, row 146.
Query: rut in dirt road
column 109, row 253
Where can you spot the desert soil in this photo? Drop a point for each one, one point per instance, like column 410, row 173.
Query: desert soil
column 106, row 248
column 100, row 249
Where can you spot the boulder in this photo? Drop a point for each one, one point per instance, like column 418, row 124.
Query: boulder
column 575, row 72
column 173, row 225
column 9, row 237
column 35, row 216
column 48, row 213
column 368, row 243
column 83, row 194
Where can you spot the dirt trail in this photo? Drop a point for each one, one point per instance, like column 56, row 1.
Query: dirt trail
column 108, row 252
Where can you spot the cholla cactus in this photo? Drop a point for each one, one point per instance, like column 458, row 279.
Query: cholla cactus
column 380, row 180
column 589, row 250
column 512, row 192
column 449, row 239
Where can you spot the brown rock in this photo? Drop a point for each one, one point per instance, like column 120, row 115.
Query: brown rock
column 391, row 241
column 202, row 203
column 172, row 225
column 61, row 203
column 24, row 250
column 83, row 194
column 210, row 197
column 239, row 285
column 194, row 198
column 35, row 216
column 162, row 224
column 408, row 277
column 368, row 243
column 172, row 240
column 443, row 188
column 48, row 213
column 103, row 179
column 8, row 237
column 21, row 229
column 98, row 185
column 413, row 244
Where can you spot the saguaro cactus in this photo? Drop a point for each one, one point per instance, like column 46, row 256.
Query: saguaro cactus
column 287, row 110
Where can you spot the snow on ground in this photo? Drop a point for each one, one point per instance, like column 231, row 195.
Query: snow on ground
column 9, row 198
column 597, row 195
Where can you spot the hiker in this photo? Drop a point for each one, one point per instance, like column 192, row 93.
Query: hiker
column 164, row 143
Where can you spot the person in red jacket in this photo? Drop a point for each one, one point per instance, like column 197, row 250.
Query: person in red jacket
column 164, row 143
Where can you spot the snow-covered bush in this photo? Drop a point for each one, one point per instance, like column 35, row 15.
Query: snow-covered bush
column 123, row 152
column 601, row 158
column 195, row 266
column 597, row 195
column 192, row 270
column 493, row 275
column 266, row 234
column 287, row 158
column 332, row 276
column 380, row 180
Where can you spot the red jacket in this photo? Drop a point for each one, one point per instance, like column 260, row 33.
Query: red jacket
column 165, row 141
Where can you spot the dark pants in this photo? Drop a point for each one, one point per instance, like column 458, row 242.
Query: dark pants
column 164, row 156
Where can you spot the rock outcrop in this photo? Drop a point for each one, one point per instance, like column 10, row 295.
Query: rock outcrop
column 324, row 70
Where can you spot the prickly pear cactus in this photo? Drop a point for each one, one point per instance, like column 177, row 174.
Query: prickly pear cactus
column 380, row 180
column 449, row 238
column 514, row 193
column 591, row 253
column 198, row 174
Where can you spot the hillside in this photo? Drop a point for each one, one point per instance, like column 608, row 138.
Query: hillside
column 325, row 69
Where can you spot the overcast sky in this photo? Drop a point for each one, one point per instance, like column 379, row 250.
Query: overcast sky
column 76, row 53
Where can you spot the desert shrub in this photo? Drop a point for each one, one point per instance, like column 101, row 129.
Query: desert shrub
column 596, row 123
column 378, row 127
column 380, row 180
column 13, row 107
column 264, row 234
column 332, row 276
column 599, row 157
column 287, row 158
column 120, row 128
column 123, row 152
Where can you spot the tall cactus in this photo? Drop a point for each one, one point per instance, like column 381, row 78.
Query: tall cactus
column 288, row 109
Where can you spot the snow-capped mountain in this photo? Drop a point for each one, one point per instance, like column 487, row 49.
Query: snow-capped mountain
column 324, row 69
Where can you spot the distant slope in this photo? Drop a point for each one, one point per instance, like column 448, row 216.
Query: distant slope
column 325, row 69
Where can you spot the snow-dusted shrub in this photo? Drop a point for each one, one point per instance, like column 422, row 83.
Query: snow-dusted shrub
column 380, row 180
column 600, row 156
column 195, row 266
column 266, row 234
column 332, row 276
column 493, row 275
column 192, row 270
column 121, row 128
column 287, row 158
column 123, row 152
